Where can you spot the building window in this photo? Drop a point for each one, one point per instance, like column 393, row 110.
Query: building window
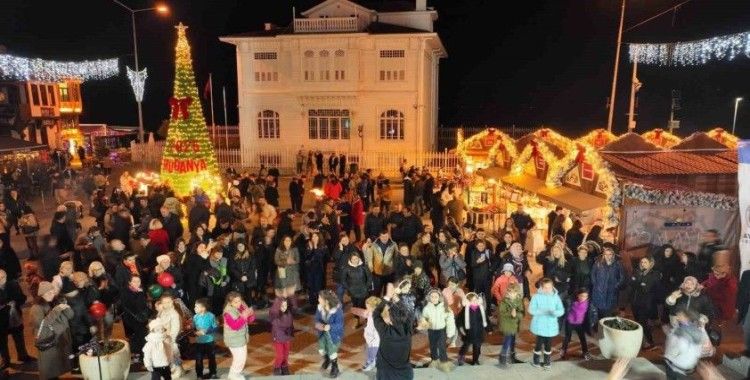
column 392, row 125
column 268, row 125
column 339, row 65
column 64, row 94
column 75, row 90
column 266, row 76
column 392, row 66
column 51, row 92
column 308, row 66
column 35, row 94
column 265, row 55
column 325, row 65
column 329, row 124
column 43, row 93
column 391, row 54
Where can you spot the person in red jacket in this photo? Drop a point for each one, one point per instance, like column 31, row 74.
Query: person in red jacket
column 158, row 236
column 358, row 216
column 721, row 288
column 332, row 189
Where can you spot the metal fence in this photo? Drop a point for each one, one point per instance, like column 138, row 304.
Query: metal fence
column 447, row 135
column 286, row 159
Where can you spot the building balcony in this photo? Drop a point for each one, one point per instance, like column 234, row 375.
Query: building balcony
column 326, row 25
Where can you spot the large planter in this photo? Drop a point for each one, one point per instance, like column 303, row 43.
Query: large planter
column 616, row 343
column 115, row 366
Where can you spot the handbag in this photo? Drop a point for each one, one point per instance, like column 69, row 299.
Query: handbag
column 49, row 341
column 282, row 272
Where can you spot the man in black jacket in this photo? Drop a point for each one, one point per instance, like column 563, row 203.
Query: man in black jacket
column 11, row 298
column 295, row 194
column 172, row 225
column 374, row 223
column 59, row 230
column 199, row 214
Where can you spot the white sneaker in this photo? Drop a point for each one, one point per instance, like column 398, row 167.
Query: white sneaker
column 369, row 367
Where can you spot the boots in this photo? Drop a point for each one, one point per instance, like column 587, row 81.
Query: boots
column 334, row 368
column 564, row 355
column 460, row 360
column 513, row 359
column 326, row 363
column 537, row 358
column 285, row 370
column 547, row 360
column 277, row 372
column 503, row 360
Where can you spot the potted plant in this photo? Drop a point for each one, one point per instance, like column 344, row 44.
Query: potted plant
column 104, row 358
column 621, row 337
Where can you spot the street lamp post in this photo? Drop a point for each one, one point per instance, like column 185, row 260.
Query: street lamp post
column 736, row 105
column 160, row 9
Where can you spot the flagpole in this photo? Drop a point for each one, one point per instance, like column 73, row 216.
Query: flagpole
column 612, row 96
column 226, row 124
column 211, row 95
column 634, row 86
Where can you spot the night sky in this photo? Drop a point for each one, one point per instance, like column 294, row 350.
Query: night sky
column 542, row 62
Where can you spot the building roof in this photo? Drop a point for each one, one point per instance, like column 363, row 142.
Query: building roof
column 9, row 145
column 374, row 28
column 630, row 142
column 385, row 6
column 699, row 140
column 673, row 162
column 529, row 137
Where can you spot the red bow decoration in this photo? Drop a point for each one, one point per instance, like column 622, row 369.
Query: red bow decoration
column 657, row 134
column 719, row 135
column 543, row 133
column 581, row 153
column 599, row 139
column 534, row 149
column 180, row 107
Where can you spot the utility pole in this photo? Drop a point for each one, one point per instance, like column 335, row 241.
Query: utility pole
column 674, row 124
column 614, row 74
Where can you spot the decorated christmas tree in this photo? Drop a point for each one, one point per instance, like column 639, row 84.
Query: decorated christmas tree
column 188, row 160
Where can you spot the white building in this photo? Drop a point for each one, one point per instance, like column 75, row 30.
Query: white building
column 347, row 76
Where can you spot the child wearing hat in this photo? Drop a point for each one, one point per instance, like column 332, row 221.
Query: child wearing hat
column 507, row 277
column 158, row 352
column 510, row 314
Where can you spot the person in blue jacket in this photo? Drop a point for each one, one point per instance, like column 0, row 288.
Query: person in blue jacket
column 545, row 307
column 329, row 322
column 607, row 278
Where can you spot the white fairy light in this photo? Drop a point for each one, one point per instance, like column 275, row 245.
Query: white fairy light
column 691, row 53
column 137, row 82
column 20, row 68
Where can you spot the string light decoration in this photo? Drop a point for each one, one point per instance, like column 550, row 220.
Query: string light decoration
column 188, row 161
column 137, row 82
column 661, row 138
column 724, row 137
column 598, row 138
column 692, row 53
column 464, row 145
column 20, row 68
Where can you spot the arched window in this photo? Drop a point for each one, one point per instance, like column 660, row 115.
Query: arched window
column 308, row 65
column 392, row 125
column 268, row 125
column 339, row 65
column 325, row 65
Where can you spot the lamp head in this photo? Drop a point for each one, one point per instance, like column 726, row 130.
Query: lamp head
column 162, row 8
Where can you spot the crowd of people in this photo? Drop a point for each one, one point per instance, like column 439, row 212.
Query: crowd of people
column 398, row 268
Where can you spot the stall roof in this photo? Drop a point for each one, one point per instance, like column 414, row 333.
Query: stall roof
column 674, row 162
column 630, row 142
column 564, row 196
column 699, row 140
column 10, row 145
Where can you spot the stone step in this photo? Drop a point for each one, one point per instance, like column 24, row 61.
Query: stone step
column 641, row 369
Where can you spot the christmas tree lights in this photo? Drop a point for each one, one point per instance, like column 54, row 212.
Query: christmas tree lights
column 692, row 53
column 188, row 161
column 20, row 68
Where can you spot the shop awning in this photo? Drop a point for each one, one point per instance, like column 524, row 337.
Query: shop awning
column 567, row 197
column 12, row 145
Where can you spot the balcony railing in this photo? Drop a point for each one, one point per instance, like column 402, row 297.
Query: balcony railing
column 323, row 25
